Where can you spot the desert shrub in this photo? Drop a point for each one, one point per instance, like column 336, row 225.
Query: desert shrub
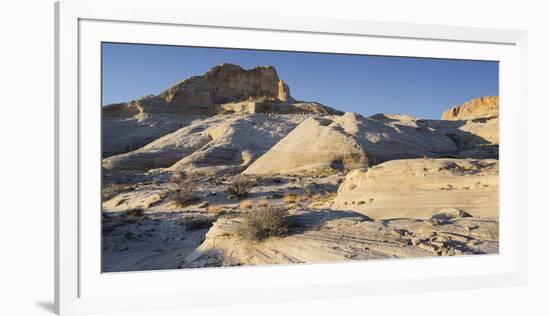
column 264, row 222
column 200, row 222
column 301, row 198
column 186, row 186
column 246, row 204
column 216, row 209
column 240, row 186
column 130, row 216
column 276, row 195
column 110, row 191
column 324, row 196
column 135, row 212
column 289, row 198
column 263, row 202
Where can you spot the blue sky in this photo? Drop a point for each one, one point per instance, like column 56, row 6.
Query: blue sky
column 364, row 84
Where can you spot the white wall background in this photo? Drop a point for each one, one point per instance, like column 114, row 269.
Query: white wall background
column 26, row 155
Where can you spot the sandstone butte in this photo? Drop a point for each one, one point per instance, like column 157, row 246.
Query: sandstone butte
column 224, row 89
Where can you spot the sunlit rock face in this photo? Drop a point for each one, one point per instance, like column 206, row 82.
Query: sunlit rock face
column 484, row 107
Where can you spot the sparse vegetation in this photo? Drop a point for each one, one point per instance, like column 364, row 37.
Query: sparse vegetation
column 216, row 209
column 110, row 191
column 200, row 222
column 135, row 212
column 240, row 186
column 276, row 195
column 263, row 202
column 187, row 185
column 130, row 216
column 320, row 198
column 289, row 198
column 265, row 222
column 301, row 198
column 324, row 196
column 246, row 204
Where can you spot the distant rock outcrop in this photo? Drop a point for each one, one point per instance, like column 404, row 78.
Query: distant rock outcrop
column 208, row 94
column 201, row 94
column 484, row 107
column 474, row 126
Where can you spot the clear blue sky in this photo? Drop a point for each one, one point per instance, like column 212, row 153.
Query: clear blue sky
column 353, row 83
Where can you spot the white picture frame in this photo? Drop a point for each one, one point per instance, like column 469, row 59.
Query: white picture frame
column 82, row 25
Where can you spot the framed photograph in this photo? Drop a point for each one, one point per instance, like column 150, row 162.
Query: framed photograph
column 208, row 158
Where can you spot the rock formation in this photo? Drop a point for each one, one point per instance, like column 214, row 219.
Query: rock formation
column 223, row 89
column 351, row 187
column 222, row 143
column 123, row 132
column 485, row 107
column 416, row 188
column 345, row 142
column 474, row 126
column 317, row 143
column 201, row 94
column 236, row 143
column 325, row 236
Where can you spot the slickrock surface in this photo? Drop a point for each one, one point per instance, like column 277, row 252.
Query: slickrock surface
column 352, row 141
column 215, row 144
column 124, row 133
column 238, row 142
column 416, row 188
column 164, row 236
column 328, row 236
column 315, row 144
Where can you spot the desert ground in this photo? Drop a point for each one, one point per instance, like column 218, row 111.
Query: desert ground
column 228, row 169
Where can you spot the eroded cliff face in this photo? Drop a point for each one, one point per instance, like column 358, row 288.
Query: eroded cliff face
column 484, row 107
column 203, row 94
